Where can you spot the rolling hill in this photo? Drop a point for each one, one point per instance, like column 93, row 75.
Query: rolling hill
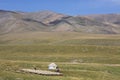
column 48, row 21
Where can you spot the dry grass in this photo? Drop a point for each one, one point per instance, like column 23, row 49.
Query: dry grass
column 79, row 56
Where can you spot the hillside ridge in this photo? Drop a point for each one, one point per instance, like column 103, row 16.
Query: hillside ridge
column 49, row 21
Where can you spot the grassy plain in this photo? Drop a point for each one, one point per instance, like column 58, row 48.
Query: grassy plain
column 79, row 56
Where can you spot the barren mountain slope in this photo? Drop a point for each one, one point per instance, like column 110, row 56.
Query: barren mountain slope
column 17, row 22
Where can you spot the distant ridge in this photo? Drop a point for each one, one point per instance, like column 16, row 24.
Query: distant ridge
column 19, row 22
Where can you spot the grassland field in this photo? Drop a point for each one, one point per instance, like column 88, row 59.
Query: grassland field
column 79, row 56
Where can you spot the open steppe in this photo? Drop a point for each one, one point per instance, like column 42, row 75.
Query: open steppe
column 79, row 56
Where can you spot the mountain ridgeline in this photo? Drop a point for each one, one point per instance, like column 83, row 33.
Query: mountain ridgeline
column 48, row 21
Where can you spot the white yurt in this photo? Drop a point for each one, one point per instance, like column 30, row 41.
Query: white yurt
column 52, row 66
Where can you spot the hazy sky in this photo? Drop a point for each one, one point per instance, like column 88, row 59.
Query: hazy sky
column 72, row 7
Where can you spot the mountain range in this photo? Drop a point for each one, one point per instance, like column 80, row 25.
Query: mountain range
column 48, row 21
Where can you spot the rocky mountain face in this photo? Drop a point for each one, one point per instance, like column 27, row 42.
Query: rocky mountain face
column 17, row 22
column 110, row 18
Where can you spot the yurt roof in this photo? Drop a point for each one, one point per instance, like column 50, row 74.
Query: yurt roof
column 52, row 64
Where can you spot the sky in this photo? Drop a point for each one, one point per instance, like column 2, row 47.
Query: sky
column 70, row 7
